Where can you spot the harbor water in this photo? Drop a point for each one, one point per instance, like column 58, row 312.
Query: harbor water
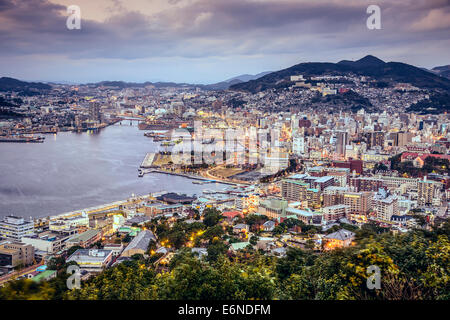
column 72, row 171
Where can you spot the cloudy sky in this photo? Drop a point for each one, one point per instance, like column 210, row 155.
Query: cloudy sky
column 206, row 41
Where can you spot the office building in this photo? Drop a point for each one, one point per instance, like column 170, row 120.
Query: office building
column 15, row 228
column 15, row 254
column 341, row 142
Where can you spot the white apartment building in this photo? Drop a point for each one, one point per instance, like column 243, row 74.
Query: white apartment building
column 298, row 145
column 385, row 208
column 16, row 228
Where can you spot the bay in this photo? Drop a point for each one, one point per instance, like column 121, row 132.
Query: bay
column 72, row 171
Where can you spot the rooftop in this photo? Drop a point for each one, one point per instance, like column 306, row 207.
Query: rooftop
column 301, row 212
column 239, row 245
column 141, row 241
column 340, row 235
column 85, row 236
column 90, row 255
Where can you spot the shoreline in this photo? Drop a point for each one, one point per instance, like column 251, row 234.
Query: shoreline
column 117, row 203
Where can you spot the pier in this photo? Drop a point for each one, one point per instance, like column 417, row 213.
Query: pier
column 148, row 161
column 142, row 172
column 99, row 209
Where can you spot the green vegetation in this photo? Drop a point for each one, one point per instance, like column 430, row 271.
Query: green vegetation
column 436, row 104
column 413, row 266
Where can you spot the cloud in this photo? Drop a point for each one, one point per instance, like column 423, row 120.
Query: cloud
column 211, row 29
column 436, row 19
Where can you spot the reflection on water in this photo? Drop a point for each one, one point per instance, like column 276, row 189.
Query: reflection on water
column 71, row 171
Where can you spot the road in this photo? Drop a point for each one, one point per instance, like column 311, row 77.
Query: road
column 17, row 274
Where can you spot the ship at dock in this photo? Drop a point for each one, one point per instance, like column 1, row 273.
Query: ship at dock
column 22, row 139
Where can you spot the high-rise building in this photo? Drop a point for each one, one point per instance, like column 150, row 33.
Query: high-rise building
column 426, row 190
column 292, row 190
column 352, row 164
column 376, row 138
column 94, row 111
column 298, row 145
column 385, row 205
column 15, row 228
column 341, row 142
column 359, row 202
column 366, row 183
column 401, row 139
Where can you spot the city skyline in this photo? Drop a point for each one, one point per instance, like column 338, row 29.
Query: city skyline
column 206, row 42
column 255, row 151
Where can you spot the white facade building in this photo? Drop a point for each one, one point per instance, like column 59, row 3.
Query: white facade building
column 16, row 228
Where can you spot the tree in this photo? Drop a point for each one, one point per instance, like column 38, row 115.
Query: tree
column 413, row 265
column 56, row 263
column 127, row 238
column 137, row 256
column 72, row 250
column 215, row 250
column 212, row 217
column 212, row 233
column 177, row 238
column 254, row 240
column 293, row 262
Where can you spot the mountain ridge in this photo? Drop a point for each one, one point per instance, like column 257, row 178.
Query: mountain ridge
column 11, row 84
column 390, row 72
column 443, row 71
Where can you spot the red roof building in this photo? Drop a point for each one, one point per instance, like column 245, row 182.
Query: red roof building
column 230, row 215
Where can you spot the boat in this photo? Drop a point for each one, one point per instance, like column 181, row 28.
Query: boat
column 22, row 139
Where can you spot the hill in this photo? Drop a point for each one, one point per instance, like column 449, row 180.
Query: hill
column 436, row 104
column 11, row 84
column 385, row 72
column 224, row 85
column 443, row 71
column 124, row 85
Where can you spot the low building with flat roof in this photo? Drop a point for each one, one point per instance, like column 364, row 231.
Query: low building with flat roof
column 16, row 253
column 85, row 239
column 47, row 241
column 91, row 260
